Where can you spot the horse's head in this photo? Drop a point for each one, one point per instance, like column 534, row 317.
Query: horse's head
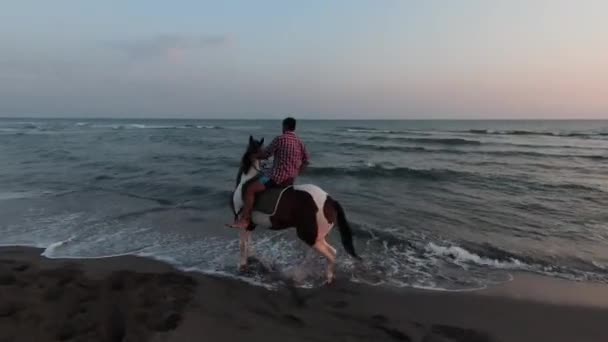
column 250, row 158
column 254, row 147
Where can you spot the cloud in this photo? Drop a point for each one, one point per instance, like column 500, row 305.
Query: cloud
column 170, row 46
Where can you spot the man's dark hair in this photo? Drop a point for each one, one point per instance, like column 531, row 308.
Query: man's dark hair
column 289, row 124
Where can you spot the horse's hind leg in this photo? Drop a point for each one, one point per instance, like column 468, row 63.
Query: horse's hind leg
column 301, row 270
column 331, row 248
column 244, row 239
column 330, row 253
column 309, row 232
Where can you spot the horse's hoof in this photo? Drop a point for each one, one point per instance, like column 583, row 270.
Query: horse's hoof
column 252, row 259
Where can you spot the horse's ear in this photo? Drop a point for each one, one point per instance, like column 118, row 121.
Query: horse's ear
column 262, row 142
column 250, row 140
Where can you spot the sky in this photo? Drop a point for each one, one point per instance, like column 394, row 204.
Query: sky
column 340, row 59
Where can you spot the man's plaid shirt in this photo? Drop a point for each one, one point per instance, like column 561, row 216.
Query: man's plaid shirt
column 289, row 154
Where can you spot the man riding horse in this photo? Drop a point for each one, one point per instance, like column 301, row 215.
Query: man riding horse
column 281, row 204
column 290, row 159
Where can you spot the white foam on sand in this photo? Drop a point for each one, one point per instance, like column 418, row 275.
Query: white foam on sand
column 53, row 246
column 462, row 256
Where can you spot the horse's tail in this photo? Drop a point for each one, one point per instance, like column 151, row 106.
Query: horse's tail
column 345, row 231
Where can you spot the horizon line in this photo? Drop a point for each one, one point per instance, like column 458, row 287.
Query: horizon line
column 300, row 119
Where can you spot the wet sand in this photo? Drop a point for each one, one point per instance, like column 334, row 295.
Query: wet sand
column 136, row 299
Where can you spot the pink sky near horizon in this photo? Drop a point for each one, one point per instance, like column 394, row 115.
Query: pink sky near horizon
column 343, row 59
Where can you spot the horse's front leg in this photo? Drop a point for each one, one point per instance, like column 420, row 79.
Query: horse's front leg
column 250, row 250
column 244, row 239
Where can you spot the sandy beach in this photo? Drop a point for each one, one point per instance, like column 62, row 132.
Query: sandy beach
column 136, row 299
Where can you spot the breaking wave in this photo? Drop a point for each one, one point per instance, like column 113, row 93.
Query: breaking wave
column 440, row 141
column 541, row 133
column 384, row 171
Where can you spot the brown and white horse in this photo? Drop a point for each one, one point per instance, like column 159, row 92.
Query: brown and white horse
column 305, row 207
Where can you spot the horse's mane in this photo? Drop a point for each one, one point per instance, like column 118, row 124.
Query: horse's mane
column 246, row 160
column 245, row 166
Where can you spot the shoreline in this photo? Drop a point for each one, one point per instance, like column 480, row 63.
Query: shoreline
column 142, row 299
column 522, row 285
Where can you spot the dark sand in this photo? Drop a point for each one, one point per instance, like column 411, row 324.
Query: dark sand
column 136, row 299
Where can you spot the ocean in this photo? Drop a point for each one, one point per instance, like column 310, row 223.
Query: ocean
column 445, row 205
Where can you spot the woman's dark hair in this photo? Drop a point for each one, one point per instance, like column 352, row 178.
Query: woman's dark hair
column 289, row 124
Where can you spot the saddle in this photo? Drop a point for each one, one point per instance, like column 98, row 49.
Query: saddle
column 266, row 202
